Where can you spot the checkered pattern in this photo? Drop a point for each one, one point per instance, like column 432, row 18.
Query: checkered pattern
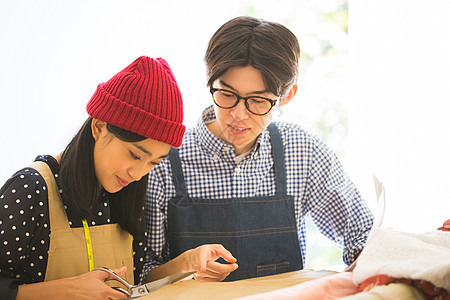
column 314, row 177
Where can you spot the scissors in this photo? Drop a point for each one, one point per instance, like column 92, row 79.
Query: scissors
column 143, row 289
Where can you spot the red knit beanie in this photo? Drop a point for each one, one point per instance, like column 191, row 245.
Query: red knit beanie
column 143, row 98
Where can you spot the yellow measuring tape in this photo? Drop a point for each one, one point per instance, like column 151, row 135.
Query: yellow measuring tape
column 88, row 245
column 87, row 236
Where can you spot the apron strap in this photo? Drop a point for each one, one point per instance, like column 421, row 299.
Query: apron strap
column 177, row 172
column 278, row 159
column 57, row 213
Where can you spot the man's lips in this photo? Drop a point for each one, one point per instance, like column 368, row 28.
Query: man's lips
column 238, row 130
column 122, row 182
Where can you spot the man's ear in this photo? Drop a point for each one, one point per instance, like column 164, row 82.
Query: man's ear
column 98, row 128
column 289, row 96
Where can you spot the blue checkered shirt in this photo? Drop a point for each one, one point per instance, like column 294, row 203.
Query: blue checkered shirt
column 314, row 177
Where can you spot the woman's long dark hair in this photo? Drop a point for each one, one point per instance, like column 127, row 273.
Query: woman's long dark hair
column 81, row 188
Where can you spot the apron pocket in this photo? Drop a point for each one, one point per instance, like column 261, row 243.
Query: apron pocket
column 272, row 269
column 129, row 274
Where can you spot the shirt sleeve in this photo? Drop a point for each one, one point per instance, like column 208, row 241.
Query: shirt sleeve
column 23, row 218
column 156, row 221
column 335, row 204
column 9, row 288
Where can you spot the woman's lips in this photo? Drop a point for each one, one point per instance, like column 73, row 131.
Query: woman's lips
column 122, row 182
column 238, row 131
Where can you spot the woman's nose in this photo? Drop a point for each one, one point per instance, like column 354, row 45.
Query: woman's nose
column 140, row 170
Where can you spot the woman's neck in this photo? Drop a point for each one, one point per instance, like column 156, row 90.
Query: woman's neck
column 58, row 158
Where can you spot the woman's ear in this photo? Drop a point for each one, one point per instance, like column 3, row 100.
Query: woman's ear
column 289, row 96
column 98, row 128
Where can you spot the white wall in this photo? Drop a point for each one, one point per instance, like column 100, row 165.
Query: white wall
column 53, row 54
column 399, row 116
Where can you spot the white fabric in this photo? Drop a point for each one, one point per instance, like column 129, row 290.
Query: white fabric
column 406, row 255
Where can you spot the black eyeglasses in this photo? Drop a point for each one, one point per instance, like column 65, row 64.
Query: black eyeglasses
column 254, row 104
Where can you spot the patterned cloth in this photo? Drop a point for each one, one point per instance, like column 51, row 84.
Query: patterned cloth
column 416, row 256
column 314, row 177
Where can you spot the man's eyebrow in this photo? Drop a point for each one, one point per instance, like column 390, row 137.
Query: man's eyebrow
column 230, row 87
column 148, row 152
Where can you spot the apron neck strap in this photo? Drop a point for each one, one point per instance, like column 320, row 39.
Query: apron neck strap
column 278, row 158
column 177, row 172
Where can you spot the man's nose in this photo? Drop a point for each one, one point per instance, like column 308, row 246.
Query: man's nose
column 240, row 112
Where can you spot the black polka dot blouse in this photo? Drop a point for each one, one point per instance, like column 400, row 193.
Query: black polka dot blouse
column 25, row 230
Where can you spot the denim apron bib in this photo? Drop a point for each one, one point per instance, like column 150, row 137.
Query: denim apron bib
column 260, row 232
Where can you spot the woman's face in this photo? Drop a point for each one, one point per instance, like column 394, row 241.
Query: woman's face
column 118, row 163
column 237, row 126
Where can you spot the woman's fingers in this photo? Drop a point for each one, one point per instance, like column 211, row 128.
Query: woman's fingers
column 92, row 285
column 120, row 271
column 105, row 275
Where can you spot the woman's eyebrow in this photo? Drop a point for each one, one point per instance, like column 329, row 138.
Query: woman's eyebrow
column 230, row 87
column 143, row 149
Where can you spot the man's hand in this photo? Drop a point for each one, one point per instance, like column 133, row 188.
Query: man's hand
column 203, row 260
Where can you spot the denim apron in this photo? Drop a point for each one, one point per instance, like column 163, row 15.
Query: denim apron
column 260, row 232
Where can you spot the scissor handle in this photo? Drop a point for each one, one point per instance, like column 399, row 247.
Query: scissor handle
column 128, row 294
column 114, row 276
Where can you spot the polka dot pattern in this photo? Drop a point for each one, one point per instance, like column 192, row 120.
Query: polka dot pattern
column 25, row 230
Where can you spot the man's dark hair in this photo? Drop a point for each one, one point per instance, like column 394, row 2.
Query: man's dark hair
column 266, row 46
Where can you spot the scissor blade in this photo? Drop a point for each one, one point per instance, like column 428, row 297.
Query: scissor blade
column 144, row 289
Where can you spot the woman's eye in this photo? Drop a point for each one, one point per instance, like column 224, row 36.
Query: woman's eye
column 134, row 156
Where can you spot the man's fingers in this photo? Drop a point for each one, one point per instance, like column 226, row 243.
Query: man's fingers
column 208, row 279
column 208, row 254
column 215, row 271
column 224, row 253
column 219, row 268
column 210, row 276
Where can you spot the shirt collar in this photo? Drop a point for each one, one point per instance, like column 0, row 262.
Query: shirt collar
column 215, row 146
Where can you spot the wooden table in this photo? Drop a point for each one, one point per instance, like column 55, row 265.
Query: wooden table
column 191, row 289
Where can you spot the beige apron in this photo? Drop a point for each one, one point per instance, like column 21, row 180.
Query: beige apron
column 68, row 254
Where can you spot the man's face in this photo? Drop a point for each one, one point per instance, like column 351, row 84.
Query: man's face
column 237, row 126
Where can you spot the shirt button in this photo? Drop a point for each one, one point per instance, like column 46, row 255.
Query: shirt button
column 226, row 148
column 237, row 170
column 216, row 157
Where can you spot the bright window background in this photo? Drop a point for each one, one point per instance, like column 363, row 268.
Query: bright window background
column 374, row 83
column 399, row 125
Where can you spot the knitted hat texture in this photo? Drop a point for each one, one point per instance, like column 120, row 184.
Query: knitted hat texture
column 143, row 98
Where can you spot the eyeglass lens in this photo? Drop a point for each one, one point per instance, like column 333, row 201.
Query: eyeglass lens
column 256, row 105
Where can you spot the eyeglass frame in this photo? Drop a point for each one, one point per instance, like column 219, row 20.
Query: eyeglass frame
column 238, row 98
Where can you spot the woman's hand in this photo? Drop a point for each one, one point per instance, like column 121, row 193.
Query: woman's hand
column 203, row 260
column 89, row 285
column 94, row 287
